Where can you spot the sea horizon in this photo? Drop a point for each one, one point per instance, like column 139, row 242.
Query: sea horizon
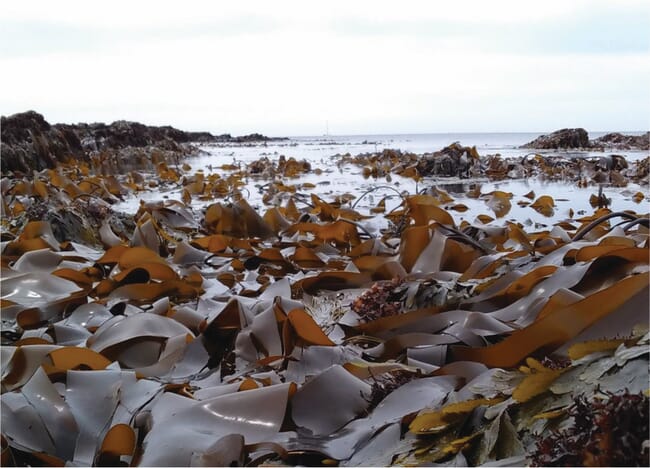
column 348, row 135
column 196, row 128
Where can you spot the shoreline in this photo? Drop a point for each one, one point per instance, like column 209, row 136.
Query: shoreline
column 393, row 322
column 30, row 142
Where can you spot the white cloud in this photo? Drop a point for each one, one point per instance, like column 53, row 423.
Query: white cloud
column 126, row 13
column 287, row 67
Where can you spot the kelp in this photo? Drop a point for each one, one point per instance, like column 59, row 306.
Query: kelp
column 309, row 335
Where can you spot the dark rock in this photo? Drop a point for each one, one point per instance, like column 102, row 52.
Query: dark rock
column 623, row 142
column 29, row 142
column 202, row 137
column 453, row 160
column 123, row 134
column 613, row 162
column 68, row 225
column 566, row 138
column 80, row 220
column 642, row 169
column 18, row 127
column 254, row 137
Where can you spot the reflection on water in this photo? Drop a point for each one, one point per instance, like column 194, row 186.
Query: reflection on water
column 333, row 181
column 505, row 144
column 461, row 188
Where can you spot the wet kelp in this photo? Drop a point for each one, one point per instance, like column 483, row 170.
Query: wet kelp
column 304, row 334
column 464, row 162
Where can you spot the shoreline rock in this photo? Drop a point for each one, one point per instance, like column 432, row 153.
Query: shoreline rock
column 578, row 138
column 29, row 142
column 620, row 141
column 566, row 138
column 452, row 160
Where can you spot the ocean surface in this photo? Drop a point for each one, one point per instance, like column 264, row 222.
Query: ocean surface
column 315, row 147
column 325, row 151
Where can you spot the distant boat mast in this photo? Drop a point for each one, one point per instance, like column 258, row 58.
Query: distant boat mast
column 327, row 128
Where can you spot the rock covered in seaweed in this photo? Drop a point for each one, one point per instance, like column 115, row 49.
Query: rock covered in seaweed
column 121, row 134
column 566, row 138
column 623, row 142
column 30, row 142
column 452, row 160
column 570, row 138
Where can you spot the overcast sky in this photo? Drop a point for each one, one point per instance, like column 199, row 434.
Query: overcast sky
column 288, row 68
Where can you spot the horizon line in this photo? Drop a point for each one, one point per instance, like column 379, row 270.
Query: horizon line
column 456, row 133
column 330, row 135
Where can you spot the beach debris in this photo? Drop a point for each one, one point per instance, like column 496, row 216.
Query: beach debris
column 295, row 332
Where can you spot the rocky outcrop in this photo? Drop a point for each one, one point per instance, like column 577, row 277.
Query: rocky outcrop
column 29, row 142
column 578, row 138
column 228, row 138
column 453, row 160
column 623, row 142
column 254, row 137
column 566, row 138
column 123, row 134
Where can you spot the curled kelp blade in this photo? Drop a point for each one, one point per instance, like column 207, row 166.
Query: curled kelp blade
column 23, row 428
column 121, row 329
column 329, row 401
column 36, row 288
column 255, row 414
column 20, row 363
column 83, row 389
column 118, row 445
column 55, row 412
column 229, row 450
column 554, row 330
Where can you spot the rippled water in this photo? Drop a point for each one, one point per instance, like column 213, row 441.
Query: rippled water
column 324, row 153
column 506, row 144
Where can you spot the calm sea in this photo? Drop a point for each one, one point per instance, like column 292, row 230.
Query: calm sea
column 323, row 152
column 318, row 147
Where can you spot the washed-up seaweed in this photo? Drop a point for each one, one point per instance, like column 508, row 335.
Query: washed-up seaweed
column 300, row 333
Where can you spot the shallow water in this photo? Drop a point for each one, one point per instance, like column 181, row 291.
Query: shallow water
column 324, row 153
column 506, row 144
